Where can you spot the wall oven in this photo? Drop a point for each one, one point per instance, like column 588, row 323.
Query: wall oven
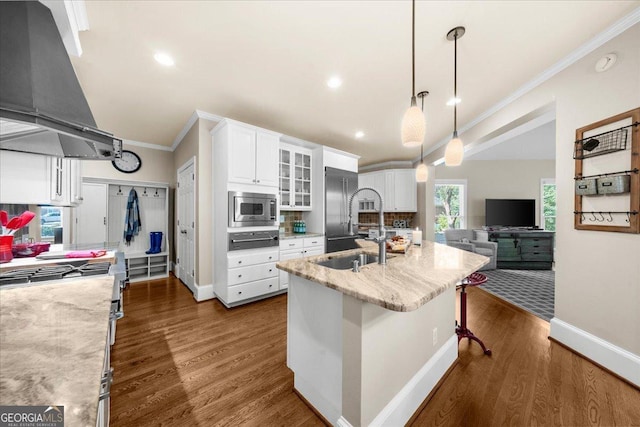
column 252, row 209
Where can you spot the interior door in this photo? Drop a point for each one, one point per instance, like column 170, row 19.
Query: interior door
column 91, row 215
column 185, row 224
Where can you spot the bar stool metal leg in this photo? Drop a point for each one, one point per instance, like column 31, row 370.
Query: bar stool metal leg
column 461, row 330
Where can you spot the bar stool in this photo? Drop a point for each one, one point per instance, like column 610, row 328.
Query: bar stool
column 474, row 279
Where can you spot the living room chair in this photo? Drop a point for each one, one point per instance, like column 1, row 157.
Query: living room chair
column 468, row 240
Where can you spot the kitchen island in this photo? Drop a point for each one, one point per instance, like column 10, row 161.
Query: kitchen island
column 53, row 339
column 367, row 348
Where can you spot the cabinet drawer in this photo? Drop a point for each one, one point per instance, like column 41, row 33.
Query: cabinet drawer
column 313, row 241
column 251, row 257
column 536, row 248
column 537, row 242
column 287, row 244
column 537, row 256
column 251, row 273
column 252, row 289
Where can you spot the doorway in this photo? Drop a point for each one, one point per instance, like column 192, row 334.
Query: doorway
column 185, row 224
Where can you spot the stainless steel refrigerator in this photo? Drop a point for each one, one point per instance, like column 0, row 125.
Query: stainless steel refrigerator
column 339, row 186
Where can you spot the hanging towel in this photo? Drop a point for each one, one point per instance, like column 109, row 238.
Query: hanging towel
column 132, row 221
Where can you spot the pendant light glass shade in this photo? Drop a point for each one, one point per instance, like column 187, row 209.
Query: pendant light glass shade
column 454, row 152
column 422, row 173
column 413, row 126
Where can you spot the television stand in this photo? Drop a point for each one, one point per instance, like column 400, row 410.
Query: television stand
column 523, row 249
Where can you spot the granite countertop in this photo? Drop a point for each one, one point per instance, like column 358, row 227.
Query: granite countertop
column 405, row 283
column 285, row 236
column 52, row 345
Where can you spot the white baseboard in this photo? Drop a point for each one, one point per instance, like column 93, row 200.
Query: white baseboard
column 204, row 292
column 400, row 409
column 342, row 422
column 616, row 359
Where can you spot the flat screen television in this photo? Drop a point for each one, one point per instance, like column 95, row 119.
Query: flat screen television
column 510, row 212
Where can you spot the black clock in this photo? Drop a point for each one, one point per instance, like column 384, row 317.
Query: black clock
column 129, row 162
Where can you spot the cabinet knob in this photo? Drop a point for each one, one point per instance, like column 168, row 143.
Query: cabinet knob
column 239, row 292
column 239, row 275
column 271, row 286
column 257, row 180
column 270, row 257
column 270, row 270
column 292, row 244
column 253, row 180
column 239, row 262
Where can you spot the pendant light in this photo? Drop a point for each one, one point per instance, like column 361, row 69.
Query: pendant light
column 422, row 172
column 454, row 153
column 413, row 123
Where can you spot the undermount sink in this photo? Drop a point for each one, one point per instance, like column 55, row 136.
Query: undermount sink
column 346, row 262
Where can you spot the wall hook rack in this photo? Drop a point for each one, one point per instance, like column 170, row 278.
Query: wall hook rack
column 119, row 193
column 617, row 183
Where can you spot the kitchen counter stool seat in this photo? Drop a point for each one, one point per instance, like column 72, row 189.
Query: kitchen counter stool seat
column 474, row 279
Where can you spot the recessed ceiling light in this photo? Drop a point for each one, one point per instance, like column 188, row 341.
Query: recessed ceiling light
column 359, row 134
column 453, row 101
column 164, row 59
column 334, row 82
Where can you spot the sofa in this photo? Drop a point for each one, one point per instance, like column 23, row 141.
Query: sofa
column 473, row 241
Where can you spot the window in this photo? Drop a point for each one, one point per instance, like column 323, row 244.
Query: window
column 51, row 223
column 548, row 205
column 451, row 206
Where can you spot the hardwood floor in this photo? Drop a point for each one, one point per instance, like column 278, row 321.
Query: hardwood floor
column 181, row 363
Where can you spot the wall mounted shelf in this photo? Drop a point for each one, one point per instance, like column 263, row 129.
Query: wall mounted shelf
column 608, row 208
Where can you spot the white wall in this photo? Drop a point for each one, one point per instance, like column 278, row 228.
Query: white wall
column 498, row 179
column 157, row 166
column 597, row 276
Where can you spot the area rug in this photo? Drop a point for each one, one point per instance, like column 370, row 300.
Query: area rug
column 532, row 290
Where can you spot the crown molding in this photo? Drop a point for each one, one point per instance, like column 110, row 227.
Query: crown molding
column 71, row 18
column 393, row 164
column 197, row 114
column 146, row 145
column 613, row 31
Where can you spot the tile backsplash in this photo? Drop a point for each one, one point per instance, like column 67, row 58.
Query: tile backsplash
column 287, row 218
column 389, row 217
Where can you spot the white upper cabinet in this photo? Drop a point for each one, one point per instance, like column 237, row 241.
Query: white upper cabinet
column 36, row 179
column 405, row 191
column 267, row 158
column 367, row 201
column 295, row 178
column 242, row 158
column 253, row 156
column 396, row 186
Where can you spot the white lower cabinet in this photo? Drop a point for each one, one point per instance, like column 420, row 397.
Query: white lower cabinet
column 251, row 274
column 252, row 289
column 298, row 248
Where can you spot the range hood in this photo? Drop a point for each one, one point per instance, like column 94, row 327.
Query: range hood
column 42, row 107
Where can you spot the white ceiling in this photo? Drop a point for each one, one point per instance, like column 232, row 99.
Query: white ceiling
column 266, row 63
column 536, row 144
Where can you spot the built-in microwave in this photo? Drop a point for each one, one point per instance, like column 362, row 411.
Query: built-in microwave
column 252, row 209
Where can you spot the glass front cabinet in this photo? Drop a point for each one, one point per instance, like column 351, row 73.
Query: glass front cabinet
column 295, row 178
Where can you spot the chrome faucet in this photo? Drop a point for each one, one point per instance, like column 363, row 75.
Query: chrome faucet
column 382, row 233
